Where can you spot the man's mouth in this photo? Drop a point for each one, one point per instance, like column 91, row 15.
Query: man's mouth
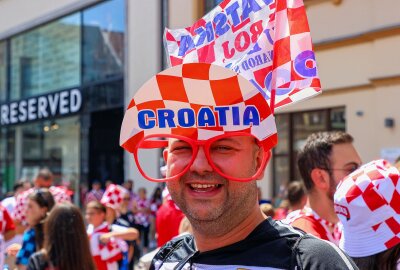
column 204, row 187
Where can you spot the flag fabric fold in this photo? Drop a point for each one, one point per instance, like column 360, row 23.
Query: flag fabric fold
column 266, row 41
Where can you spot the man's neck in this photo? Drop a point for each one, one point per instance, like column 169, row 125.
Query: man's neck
column 206, row 242
column 323, row 206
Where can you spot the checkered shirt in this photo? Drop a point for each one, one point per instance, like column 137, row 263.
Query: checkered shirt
column 284, row 37
column 28, row 247
column 194, row 86
column 59, row 193
column 368, row 205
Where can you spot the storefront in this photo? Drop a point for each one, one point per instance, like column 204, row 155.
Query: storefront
column 62, row 98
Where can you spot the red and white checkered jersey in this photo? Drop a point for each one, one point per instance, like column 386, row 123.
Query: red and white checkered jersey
column 59, row 193
column 6, row 223
column 310, row 222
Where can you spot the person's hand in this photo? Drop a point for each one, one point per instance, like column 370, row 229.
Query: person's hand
column 13, row 249
column 105, row 238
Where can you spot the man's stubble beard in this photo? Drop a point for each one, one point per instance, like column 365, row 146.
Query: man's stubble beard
column 235, row 208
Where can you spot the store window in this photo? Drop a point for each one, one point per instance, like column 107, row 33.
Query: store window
column 53, row 144
column 210, row 4
column 7, row 158
column 293, row 130
column 103, row 41
column 46, row 58
column 3, row 71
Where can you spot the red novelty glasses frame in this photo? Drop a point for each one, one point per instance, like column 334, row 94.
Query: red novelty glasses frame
column 162, row 141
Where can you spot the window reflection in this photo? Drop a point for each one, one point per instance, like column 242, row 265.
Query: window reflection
column 3, row 71
column 46, row 58
column 103, row 41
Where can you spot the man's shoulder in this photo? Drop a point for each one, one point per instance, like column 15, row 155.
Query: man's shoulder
column 314, row 253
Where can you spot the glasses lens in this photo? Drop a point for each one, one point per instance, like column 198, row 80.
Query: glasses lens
column 151, row 149
column 236, row 156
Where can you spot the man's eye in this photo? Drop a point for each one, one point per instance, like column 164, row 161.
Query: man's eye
column 222, row 148
column 180, row 148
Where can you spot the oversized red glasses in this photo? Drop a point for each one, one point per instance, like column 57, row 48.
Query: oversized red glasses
column 235, row 156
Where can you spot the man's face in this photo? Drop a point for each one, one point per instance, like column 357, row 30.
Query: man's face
column 94, row 217
column 42, row 182
column 206, row 197
column 344, row 160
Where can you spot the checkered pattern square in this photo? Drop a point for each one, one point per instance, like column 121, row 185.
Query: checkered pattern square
column 196, row 86
column 113, row 196
column 236, row 44
column 59, row 193
column 371, row 197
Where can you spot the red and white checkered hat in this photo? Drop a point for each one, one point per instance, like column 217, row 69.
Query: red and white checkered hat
column 177, row 101
column 113, row 196
column 368, row 205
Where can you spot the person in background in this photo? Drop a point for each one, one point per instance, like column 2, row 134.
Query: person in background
column 142, row 217
column 168, row 219
column 109, row 182
column 267, row 209
column 325, row 159
column 43, row 179
column 107, row 243
column 9, row 202
column 7, row 232
column 297, row 198
column 367, row 203
column 155, row 203
column 40, row 203
column 126, row 218
column 95, row 193
column 66, row 245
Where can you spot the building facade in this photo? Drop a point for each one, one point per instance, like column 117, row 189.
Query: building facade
column 67, row 71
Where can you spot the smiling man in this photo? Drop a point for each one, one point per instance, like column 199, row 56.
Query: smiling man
column 211, row 173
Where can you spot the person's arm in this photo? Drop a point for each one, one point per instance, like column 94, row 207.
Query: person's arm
column 127, row 234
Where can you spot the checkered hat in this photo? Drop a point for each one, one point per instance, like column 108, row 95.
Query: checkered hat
column 368, row 205
column 113, row 196
column 59, row 193
column 193, row 87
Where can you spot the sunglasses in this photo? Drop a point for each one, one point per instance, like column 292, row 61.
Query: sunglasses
column 180, row 153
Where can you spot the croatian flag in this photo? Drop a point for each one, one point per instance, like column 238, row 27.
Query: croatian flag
column 266, row 41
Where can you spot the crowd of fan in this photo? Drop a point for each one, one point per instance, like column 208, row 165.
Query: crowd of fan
column 355, row 207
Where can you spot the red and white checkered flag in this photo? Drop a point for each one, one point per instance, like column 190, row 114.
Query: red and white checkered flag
column 266, row 41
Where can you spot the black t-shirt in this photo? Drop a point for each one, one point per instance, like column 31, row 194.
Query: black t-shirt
column 271, row 245
column 38, row 261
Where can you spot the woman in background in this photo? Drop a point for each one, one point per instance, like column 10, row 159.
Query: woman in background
column 66, row 245
column 40, row 202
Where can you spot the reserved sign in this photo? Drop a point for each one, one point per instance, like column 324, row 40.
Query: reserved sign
column 41, row 107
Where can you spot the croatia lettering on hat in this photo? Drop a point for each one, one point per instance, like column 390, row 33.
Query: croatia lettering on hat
column 368, row 204
column 113, row 196
column 199, row 101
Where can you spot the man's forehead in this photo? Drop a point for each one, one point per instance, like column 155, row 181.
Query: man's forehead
column 345, row 153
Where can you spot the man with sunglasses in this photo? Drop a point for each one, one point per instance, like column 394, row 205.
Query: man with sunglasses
column 325, row 159
column 215, row 131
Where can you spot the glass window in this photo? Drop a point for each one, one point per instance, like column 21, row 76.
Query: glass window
column 54, row 144
column 338, row 119
column 282, row 125
column 3, row 71
column 46, row 58
column 210, row 4
column 7, row 157
column 103, row 41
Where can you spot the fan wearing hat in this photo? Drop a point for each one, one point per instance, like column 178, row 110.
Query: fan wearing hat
column 215, row 131
column 368, row 205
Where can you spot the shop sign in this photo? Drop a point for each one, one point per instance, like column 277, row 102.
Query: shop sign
column 43, row 107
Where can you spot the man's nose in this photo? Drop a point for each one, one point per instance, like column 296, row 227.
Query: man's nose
column 200, row 164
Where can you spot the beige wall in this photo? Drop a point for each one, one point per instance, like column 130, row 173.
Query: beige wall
column 16, row 14
column 143, row 62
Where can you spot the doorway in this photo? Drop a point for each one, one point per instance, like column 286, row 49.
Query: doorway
column 105, row 154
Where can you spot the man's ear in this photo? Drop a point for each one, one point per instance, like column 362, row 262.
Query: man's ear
column 320, row 178
column 165, row 155
column 260, row 156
